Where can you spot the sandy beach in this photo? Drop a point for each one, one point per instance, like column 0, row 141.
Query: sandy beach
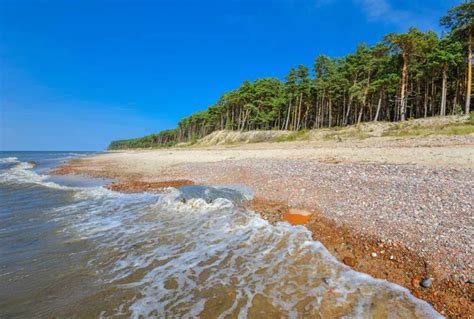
column 397, row 209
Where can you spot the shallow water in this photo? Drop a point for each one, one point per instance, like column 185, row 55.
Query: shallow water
column 71, row 248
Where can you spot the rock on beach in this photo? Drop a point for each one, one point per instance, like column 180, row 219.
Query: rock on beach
column 297, row 216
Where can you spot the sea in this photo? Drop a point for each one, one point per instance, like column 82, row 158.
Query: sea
column 70, row 248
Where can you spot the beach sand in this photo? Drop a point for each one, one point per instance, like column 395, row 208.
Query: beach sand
column 397, row 209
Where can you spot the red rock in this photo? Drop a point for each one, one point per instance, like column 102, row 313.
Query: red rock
column 297, row 216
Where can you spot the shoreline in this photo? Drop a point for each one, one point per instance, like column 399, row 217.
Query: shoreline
column 394, row 262
column 278, row 182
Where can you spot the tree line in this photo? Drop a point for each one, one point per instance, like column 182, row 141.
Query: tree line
column 406, row 75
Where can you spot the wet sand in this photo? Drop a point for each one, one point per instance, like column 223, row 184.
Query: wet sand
column 399, row 210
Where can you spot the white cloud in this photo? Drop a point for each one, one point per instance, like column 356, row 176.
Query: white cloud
column 383, row 11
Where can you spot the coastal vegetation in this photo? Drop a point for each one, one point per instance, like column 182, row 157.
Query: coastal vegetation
column 406, row 75
column 424, row 127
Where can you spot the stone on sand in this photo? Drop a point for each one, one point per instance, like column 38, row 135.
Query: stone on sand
column 297, row 216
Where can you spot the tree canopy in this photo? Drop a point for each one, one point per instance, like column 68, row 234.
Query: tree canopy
column 406, row 75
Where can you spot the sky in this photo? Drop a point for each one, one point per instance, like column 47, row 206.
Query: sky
column 75, row 75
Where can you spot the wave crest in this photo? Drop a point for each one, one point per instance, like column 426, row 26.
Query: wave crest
column 10, row 159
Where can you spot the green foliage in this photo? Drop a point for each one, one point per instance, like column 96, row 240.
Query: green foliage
column 341, row 91
column 446, row 52
column 459, row 18
column 162, row 139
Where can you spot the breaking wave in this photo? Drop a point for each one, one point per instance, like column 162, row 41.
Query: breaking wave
column 10, row 159
column 23, row 173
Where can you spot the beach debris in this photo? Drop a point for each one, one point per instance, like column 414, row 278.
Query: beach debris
column 297, row 216
column 426, row 282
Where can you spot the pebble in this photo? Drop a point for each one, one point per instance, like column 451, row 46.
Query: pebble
column 426, row 282
column 373, row 255
column 349, row 261
column 297, row 216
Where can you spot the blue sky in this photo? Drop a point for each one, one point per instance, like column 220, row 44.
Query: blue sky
column 75, row 75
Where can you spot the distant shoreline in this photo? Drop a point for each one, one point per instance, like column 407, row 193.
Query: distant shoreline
column 395, row 209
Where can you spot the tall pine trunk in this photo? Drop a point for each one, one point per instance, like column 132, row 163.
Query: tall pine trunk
column 288, row 115
column 349, row 104
column 330, row 112
column 425, row 102
column 403, row 89
column 379, row 105
column 299, row 112
column 443, row 90
column 469, row 70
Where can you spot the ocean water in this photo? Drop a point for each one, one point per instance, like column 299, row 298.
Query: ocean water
column 70, row 248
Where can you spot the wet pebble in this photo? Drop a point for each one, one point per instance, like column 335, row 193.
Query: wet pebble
column 349, row 261
column 426, row 282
